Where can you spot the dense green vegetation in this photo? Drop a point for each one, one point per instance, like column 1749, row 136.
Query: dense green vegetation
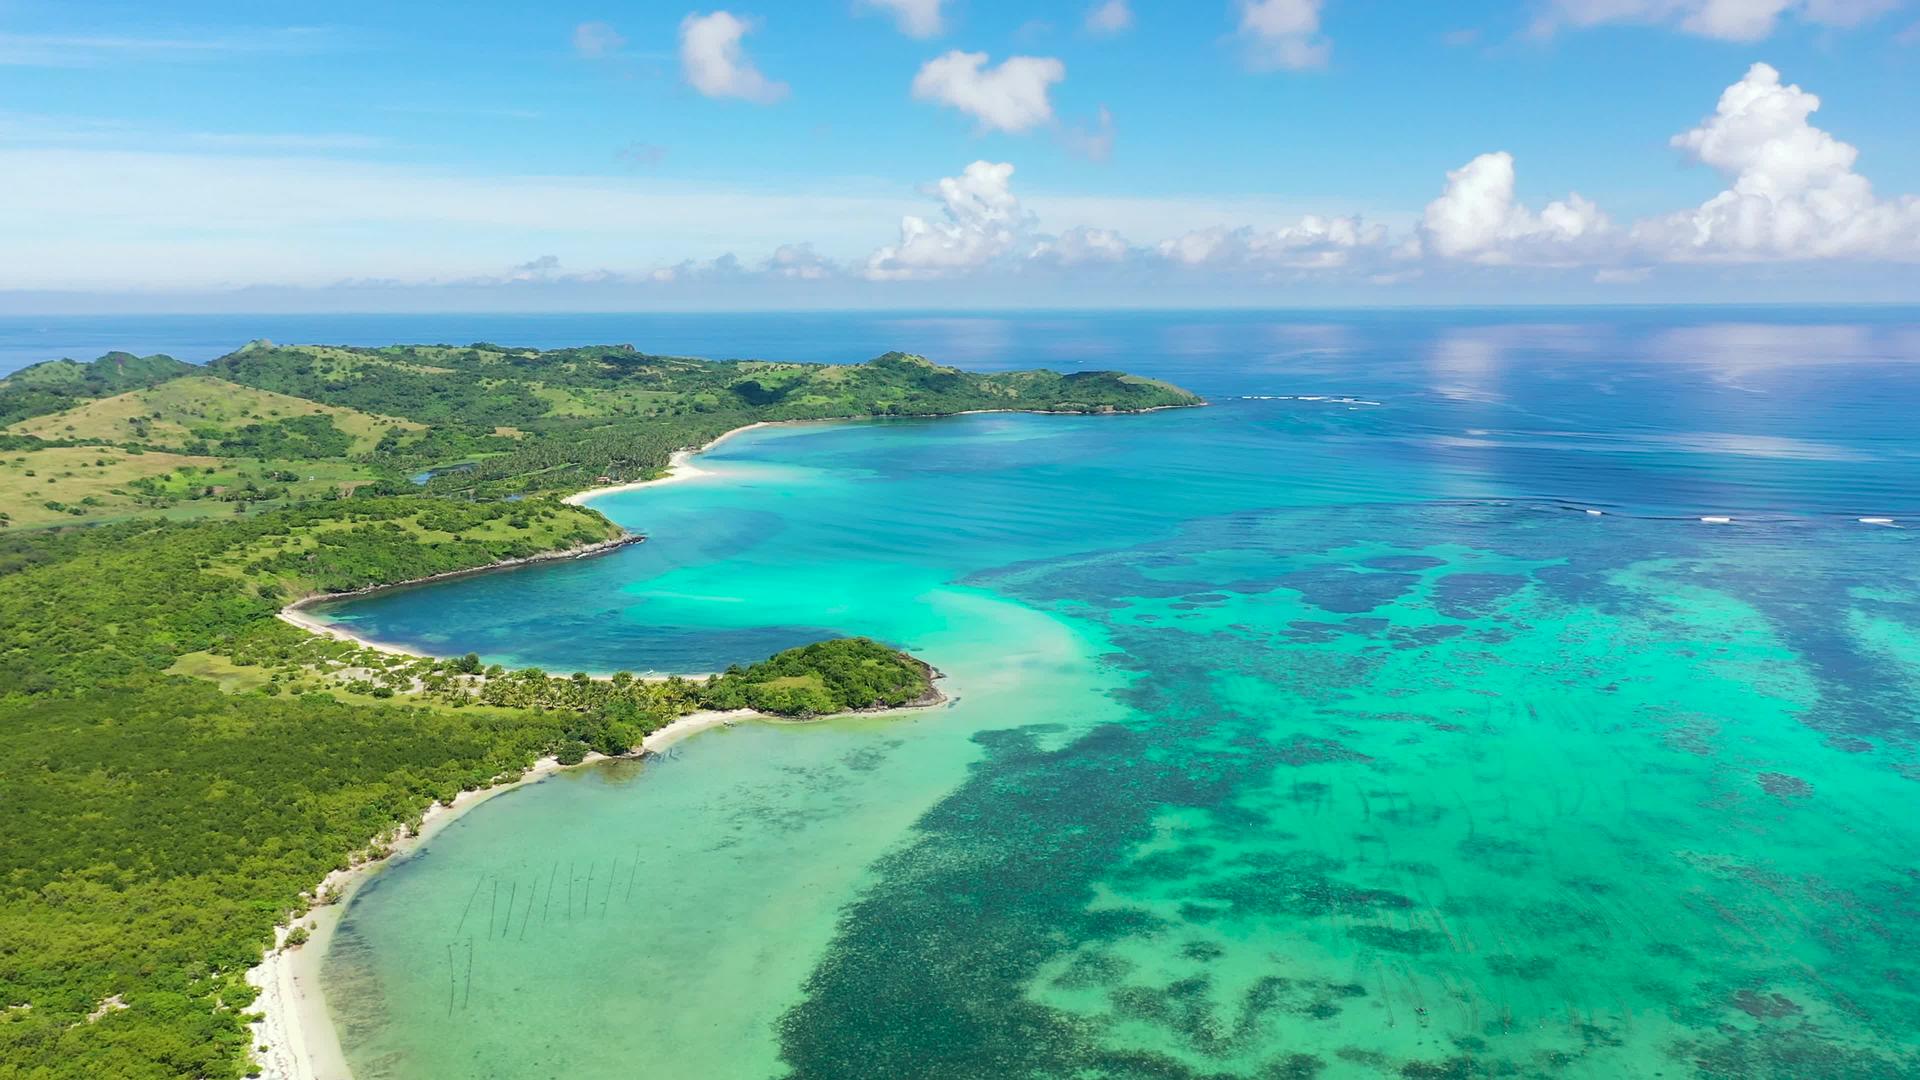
column 157, row 825
column 178, row 767
column 50, row 387
column 526, row 421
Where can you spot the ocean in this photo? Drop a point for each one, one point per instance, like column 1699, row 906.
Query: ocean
column 1461, row 693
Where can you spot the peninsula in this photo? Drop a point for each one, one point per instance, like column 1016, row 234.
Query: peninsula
column 156, row 516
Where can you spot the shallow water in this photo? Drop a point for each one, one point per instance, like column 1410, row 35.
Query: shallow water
column 1290, row 737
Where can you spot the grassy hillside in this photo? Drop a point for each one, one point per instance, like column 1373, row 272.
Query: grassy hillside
column 292, row 423
column 579, row 414
column 205, row 414
column 56, row 485
column 58, row 384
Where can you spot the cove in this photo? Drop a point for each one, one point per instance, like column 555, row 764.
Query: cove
column 1289, row 738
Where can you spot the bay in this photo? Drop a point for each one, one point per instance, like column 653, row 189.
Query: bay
column 1397, row 714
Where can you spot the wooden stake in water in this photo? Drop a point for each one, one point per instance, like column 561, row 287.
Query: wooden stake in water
column 477, row 882
column 508, row 925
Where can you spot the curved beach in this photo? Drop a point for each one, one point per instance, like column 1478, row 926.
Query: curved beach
column 295, row 1037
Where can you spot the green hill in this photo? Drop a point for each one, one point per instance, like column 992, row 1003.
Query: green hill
column 59, row 384
column 202, row 414
column 556, row 420
column 179, row 767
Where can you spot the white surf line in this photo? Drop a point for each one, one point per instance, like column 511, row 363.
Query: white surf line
column 1716, row 520
column 1884, row 522
column 1348, row 401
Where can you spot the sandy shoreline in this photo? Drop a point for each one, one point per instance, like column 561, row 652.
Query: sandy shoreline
column 680, row 464
column 309, row 623
column 295, row 1037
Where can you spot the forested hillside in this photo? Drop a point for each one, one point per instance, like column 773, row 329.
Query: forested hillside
column 178, row 767
column 271, row 426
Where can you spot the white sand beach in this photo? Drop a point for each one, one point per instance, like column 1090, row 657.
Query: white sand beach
column 295, row 1037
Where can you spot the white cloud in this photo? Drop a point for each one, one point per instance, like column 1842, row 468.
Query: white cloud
column 983, row 221
column 81, row 217
column 1083, row 244
column 916, row 18
column 1477, row 218
column 1314, row 242
column 1793, row 192
column 1093, row 143
column 717, row 66
column 597, row 40
column 800, row 262
column 1727, row 20
column 1283, row 34
column 1011, row 97
column 1110, row 17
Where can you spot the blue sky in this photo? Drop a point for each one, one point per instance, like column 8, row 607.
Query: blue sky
column 851, row 153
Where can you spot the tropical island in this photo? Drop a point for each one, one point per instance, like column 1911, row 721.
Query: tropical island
column 181, row 768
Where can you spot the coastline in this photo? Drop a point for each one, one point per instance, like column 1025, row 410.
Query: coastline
column 296, row 614
column 680, row 466
column 295, row 1038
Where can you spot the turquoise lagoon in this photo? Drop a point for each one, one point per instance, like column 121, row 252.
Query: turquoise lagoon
column 1321, row 732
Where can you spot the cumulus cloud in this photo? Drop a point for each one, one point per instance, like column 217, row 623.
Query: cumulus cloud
column 1792, row 197
column 916, row 18
column 1793, row 192
column 1011, row 97
column 1313, row 243
column 982, row 222
column 800, row 262
column 1727, row 20
column 1283, row 34
column 597, row 40
column 717, row 66
column 1478, row 219
column 1083, row 244
column 984, row 227
column 1110, row 17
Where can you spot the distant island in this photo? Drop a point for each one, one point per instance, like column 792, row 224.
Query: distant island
column 182, row 767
